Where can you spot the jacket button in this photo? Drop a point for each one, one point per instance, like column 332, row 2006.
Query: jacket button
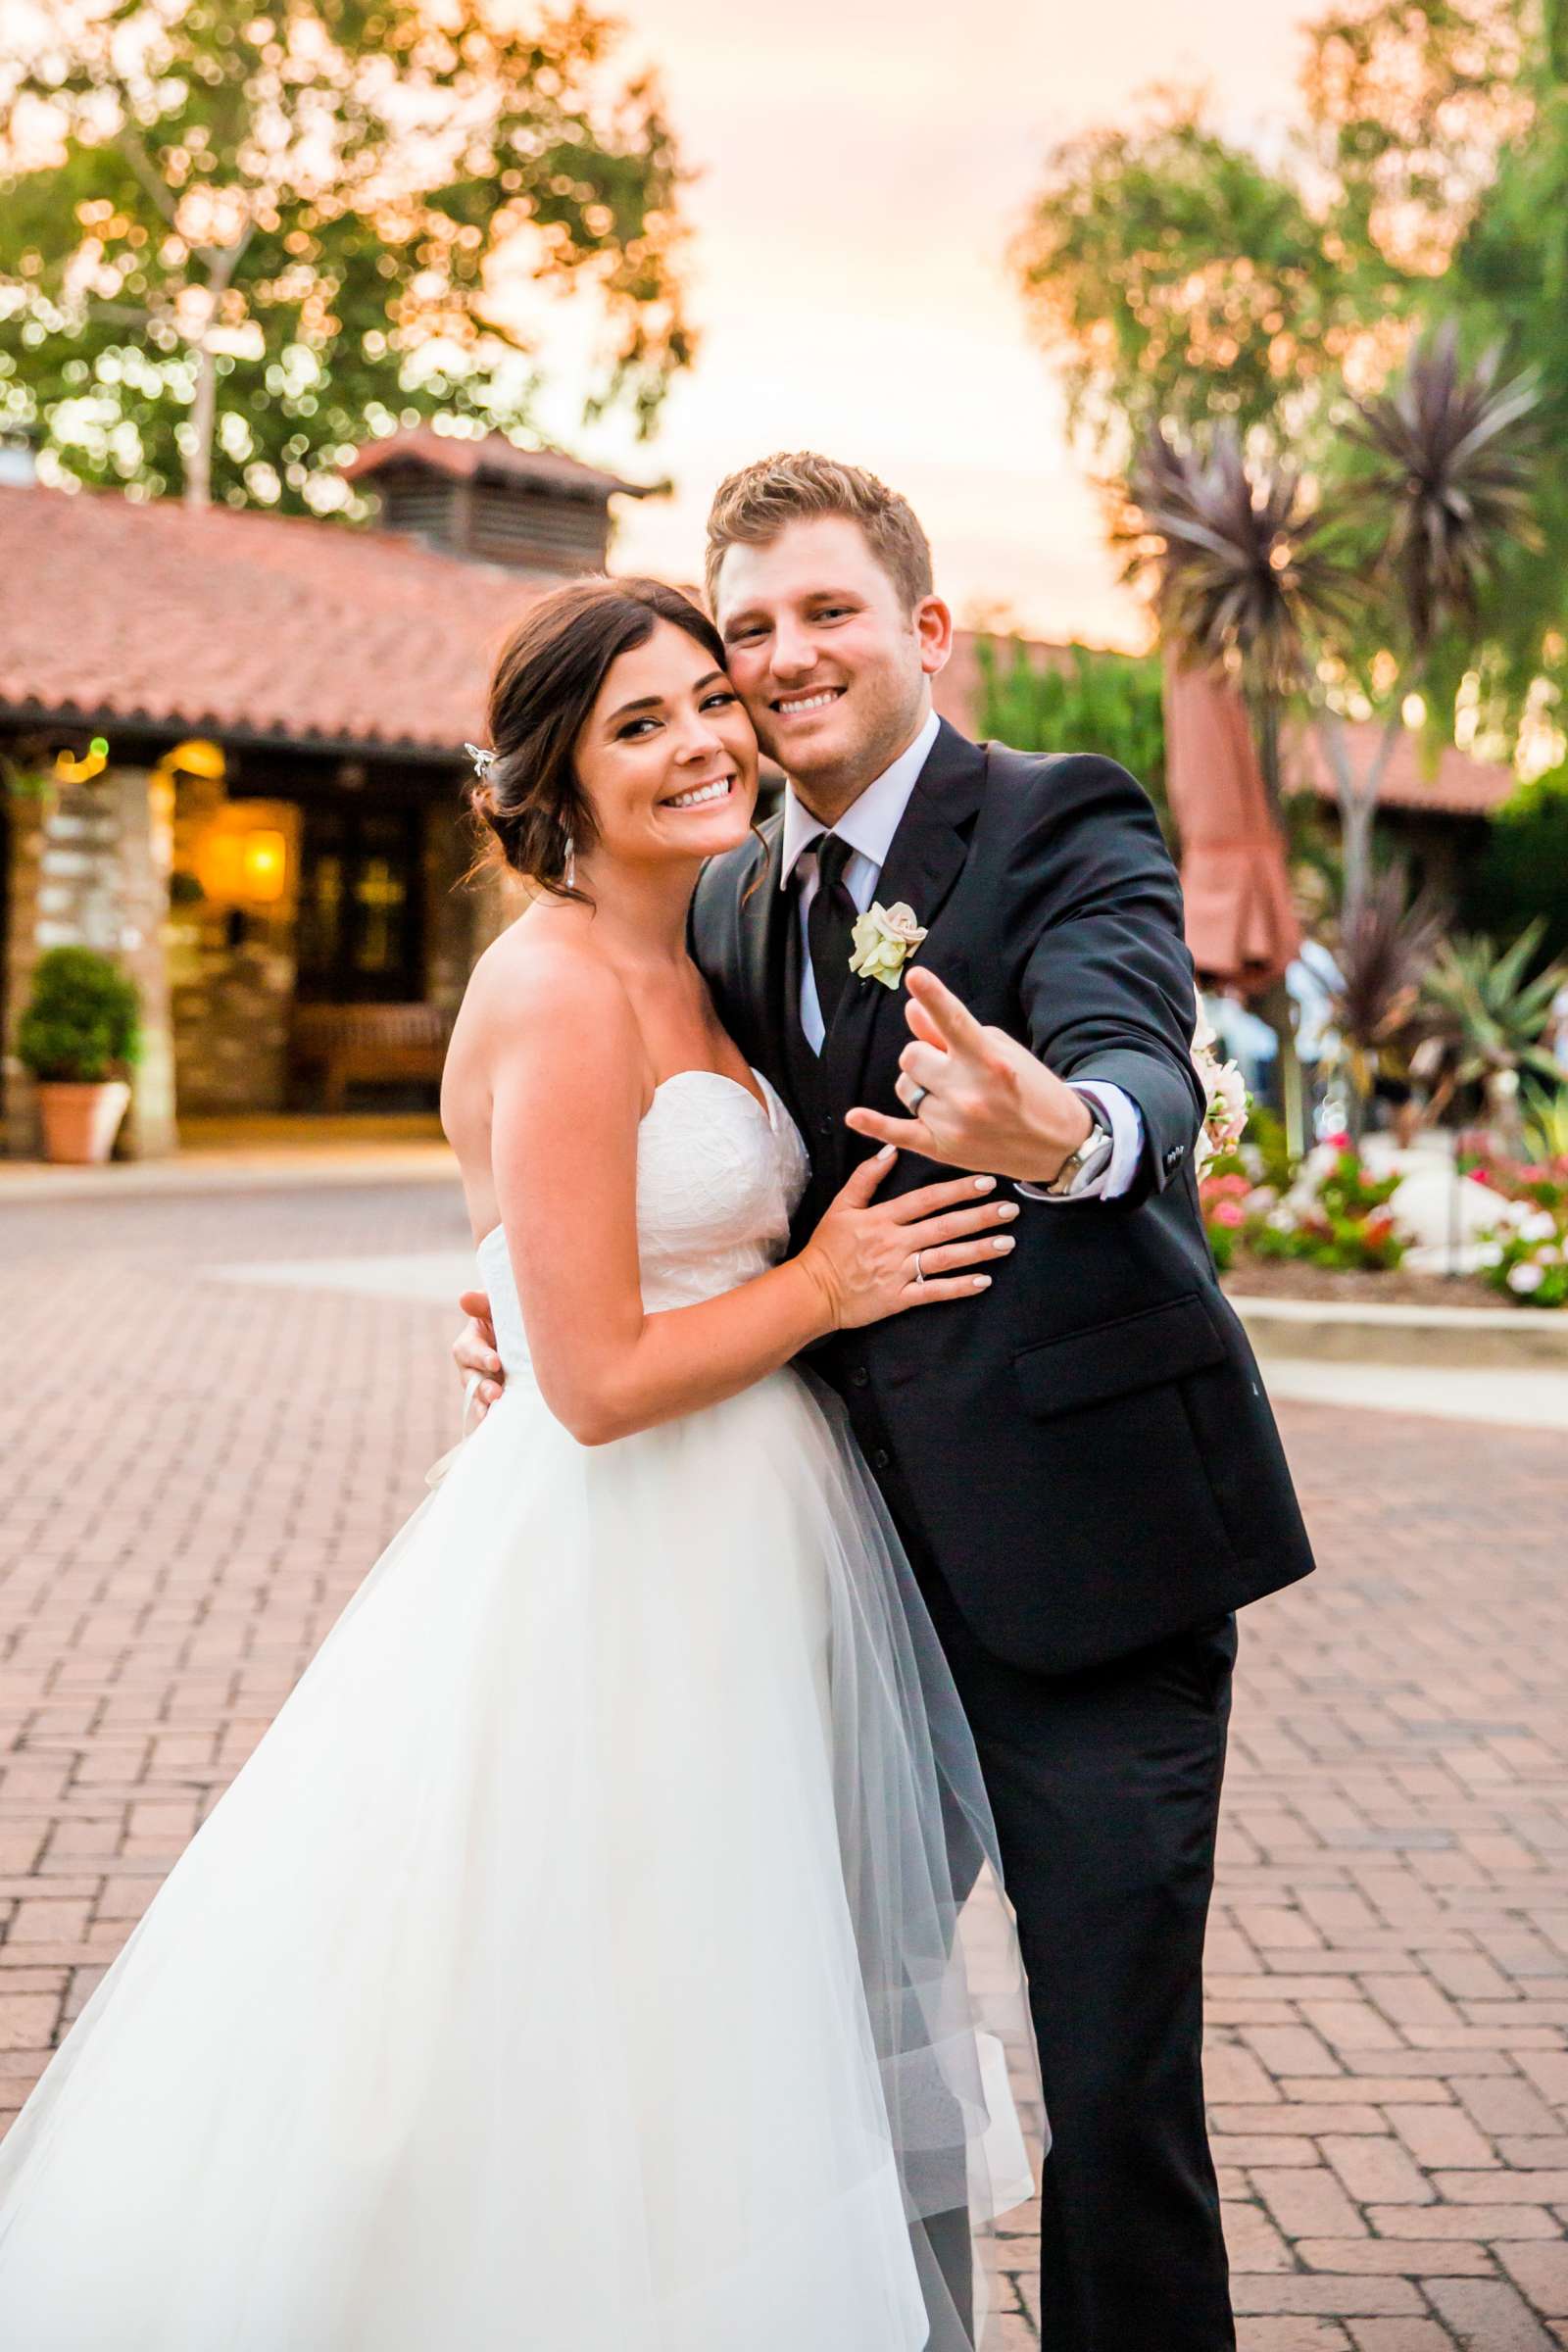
column 861, row 1376
column 881, row 1459
column 824, row 1127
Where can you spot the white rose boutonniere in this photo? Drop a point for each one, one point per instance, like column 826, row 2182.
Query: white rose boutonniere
column 885, row 938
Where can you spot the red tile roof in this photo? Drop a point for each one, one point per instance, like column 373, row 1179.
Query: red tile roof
column 1457, row 786
column 493, row 455
column 244, row 624
column 273, row 626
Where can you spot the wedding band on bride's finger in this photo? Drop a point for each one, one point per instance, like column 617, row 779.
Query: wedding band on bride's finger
column 913, row 1100
column 919, row 1275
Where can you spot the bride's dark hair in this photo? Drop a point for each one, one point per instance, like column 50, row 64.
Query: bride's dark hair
column 545, row 683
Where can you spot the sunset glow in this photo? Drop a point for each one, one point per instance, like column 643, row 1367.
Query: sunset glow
column 862, row 171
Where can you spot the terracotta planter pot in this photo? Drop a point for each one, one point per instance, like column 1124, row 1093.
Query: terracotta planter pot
column 81, row 1122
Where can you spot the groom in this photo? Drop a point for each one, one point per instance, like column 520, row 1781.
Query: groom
column 1082, row 1465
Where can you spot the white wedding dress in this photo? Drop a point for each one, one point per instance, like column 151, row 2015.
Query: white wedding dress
column 574, row 1967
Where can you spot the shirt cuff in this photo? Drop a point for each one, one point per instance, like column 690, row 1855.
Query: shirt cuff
column 1126, row 1147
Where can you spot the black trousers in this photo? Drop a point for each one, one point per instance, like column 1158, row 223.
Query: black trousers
column 1105, row 1790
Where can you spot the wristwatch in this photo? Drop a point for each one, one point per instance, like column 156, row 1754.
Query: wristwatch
column 1091, row 1158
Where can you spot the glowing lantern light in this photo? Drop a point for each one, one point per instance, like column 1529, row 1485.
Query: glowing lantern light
column 263, row 865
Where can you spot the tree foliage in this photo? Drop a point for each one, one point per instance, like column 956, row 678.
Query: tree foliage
column 1510, row 276
column 1177, row 275
column 1088, row 701
column 237, row 240
column 1178, row 278
column 1175, row 278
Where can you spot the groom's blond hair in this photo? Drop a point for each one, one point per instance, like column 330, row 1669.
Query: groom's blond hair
column 753, row 505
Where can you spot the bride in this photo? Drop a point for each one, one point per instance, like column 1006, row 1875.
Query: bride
column 579, row 1960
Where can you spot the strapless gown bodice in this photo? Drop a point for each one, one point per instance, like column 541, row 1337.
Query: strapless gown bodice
column 720, row 1175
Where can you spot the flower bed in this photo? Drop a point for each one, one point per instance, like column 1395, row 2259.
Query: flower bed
column 1525, row 1252
column 1333, row 1213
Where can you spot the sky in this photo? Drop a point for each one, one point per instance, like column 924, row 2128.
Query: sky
column 863, row 164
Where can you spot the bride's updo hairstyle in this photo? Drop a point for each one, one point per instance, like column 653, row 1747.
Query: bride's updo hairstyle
column 545, row 686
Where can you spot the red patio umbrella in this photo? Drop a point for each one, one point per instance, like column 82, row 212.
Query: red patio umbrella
column 1240, row 926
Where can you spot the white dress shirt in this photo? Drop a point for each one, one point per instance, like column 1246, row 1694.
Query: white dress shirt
column 868, row 826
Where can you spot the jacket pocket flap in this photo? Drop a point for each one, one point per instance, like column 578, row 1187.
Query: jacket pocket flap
column 1112, row 1359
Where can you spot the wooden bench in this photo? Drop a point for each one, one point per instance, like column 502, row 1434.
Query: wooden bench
column 369, row 1043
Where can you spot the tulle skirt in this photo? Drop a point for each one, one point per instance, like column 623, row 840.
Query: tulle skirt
column 577, row 1962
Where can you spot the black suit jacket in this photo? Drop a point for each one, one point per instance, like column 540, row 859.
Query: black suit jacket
column 1084, row 1455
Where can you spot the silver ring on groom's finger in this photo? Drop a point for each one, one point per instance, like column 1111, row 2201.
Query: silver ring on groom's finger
column 919, row 1275
column 913, row 1100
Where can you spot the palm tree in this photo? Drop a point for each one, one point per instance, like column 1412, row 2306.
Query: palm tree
column 1245, row 571
column 1251, row 575
column 1450, row 481
column 1245, row 574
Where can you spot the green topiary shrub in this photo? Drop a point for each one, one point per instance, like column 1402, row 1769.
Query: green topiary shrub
column 83, row 1019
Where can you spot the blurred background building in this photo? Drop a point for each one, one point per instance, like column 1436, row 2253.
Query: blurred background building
column 238, row 737
column 238, row 741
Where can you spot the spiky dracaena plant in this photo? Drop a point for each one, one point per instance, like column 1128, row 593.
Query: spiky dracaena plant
column 1251, row 575
column 1387, row 946
column 1484, row 1019
column 1244, row 571
column 1449, row 486
column 1451, row 465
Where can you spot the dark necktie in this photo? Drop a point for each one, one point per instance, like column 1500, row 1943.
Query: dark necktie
column 829, row 922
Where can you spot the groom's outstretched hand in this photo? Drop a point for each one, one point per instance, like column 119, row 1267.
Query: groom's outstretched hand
column 978, row 1099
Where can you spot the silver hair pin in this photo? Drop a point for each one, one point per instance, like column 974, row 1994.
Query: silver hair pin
column 483, row 760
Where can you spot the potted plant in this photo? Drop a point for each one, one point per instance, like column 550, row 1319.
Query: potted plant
column 78, row 1036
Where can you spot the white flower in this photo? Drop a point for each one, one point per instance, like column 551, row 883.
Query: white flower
column 1540, row 1225
column 884, row 938
column 1488, row 1255
column 1526, row 1278
column 1224, row 1097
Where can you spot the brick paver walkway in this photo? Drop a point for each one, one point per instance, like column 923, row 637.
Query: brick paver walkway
column 193, row 1476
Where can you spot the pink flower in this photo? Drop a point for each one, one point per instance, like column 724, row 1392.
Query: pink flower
column 1228, row 1212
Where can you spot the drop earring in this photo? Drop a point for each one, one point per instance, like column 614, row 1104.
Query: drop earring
column 572, row 863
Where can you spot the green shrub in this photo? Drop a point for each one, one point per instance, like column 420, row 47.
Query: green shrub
column 1093, row 702
column 83, row 1020
column 1522, row 874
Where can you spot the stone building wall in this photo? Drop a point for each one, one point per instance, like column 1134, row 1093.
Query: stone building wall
column 89, row 867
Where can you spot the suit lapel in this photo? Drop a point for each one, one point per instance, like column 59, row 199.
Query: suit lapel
column 926, row 856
